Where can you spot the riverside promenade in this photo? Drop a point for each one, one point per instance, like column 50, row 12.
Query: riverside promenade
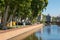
column 13, row 34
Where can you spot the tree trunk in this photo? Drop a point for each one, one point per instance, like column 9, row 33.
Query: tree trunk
column 11, row 16
column 4, row 18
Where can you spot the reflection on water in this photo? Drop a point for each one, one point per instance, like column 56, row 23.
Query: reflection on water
column 49, row 32
column 32, row 37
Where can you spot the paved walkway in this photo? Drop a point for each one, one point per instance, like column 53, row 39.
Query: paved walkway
column 7, row 34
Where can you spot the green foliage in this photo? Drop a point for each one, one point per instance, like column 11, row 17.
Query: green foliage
column 24, row 6
column 21, row 8
column 38, row 5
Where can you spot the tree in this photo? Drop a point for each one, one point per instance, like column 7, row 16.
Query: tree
column 11, row 7
column 38, row 6
column 20, row 8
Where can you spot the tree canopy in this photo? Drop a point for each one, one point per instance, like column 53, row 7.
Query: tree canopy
column 21, row 8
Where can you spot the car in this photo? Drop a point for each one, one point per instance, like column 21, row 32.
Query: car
column 21, row 23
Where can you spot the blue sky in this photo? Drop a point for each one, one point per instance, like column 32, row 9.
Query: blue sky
column 53, row 8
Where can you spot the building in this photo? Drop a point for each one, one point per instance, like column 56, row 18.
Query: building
column 58, row 19
column 48, row 18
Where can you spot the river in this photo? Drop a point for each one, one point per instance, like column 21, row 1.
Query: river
column 49, row 32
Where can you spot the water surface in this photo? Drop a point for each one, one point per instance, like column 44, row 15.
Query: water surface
column 49, row 32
